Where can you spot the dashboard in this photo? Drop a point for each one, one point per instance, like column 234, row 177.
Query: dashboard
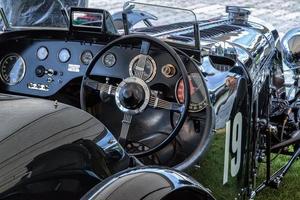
column 42, row 67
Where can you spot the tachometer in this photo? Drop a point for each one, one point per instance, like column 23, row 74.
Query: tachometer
column 12, row 69
column 197, row 99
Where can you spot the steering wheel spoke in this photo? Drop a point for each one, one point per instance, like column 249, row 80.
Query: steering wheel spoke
column 102, row 87
column 141, row 64
column 133, row 95
column 156, row 102
column 125, row 128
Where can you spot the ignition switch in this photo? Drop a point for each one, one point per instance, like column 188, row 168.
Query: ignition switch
column 40, row 71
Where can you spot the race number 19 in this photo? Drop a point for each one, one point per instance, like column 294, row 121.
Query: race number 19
column 233, row 140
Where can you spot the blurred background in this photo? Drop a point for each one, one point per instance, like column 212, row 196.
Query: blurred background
column 282, row 14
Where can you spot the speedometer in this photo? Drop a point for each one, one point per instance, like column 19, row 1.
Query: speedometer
column 198, row 102
column 12, row 69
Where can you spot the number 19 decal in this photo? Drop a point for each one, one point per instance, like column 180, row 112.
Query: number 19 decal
column 234, row 141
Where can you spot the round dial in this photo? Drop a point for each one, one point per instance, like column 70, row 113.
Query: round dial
column 42, row 53
column 109, row 60
column 149, row 70
column 12, row 69
column 64, row 55
column 86, row 57
column 197, row 102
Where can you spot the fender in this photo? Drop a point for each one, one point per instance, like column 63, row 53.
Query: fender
column 149, row 183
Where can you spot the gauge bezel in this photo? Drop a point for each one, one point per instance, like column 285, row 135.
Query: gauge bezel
column 37, row 53
column 154, row 67
column 167, row 75
column 60, row 53
column 103, row 58
column 85, row 51
column 1, row 66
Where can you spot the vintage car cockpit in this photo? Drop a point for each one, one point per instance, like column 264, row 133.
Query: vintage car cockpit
column 134, row 84
column 95, row 99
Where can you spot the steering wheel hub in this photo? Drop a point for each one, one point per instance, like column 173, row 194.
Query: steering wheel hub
column 132, row 95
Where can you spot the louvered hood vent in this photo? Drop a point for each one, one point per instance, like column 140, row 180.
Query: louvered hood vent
column 214, row 31
column 166, row 28
column 205, row 31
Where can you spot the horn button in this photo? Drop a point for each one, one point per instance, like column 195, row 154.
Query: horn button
column 132, row 95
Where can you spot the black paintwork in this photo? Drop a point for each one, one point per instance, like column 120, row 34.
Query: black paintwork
column 43, row 147
column 249, row 74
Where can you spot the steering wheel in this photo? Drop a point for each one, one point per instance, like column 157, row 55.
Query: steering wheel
column 133, row 95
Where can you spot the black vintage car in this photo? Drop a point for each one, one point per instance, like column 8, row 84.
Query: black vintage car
column 132, row 106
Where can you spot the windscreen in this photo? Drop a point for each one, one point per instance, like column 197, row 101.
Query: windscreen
column 38, row 13
column 168, row 23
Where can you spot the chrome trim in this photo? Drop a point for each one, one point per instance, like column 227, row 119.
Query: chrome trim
column 103, row 59
column 168, row 70
column 146, row 100
column 37, row 53
column 23, row 74
column 153, row 67
column 83, row 53
column 238, row 14
column 291, row 49
column 60, row 53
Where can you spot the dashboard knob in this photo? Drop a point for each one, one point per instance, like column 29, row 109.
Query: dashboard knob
column 40, row 71
column 51, row 72
column 49, row 80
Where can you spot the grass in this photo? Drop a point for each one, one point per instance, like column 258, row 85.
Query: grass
column 211, row 176
column 289, row 188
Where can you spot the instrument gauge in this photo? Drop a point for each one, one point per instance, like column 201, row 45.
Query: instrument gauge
column 86, row 57
column 64, row 55
column 149, row 70
column 42, row 53
column 168, row 70
column 109, row 60
column 12, row 69
column 197, row 102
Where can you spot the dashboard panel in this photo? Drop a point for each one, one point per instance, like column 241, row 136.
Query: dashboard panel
column 50, row 64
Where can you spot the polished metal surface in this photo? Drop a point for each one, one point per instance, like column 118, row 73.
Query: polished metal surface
column 37, row 137
column 229, row 87
column 150, row 64
column 291, row 50
column 237, row 14
column 145, row 101
column 224, row 49
column 161, row 182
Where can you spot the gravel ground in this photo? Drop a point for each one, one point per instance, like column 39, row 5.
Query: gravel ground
column 284, row 15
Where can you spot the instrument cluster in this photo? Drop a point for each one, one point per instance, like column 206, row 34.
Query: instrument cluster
column 45, row 67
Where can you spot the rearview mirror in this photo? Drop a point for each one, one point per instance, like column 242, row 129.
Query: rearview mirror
column 87, row 19
column 92, row 20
